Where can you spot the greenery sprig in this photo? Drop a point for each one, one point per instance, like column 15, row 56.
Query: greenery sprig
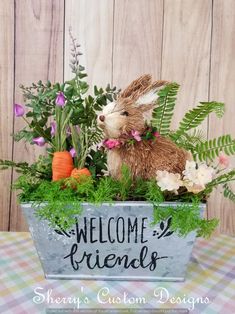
column 197, row 115
column 189, row 214
column 228, row 193
column 40, row 169
column 63, row 206
column 210, row 149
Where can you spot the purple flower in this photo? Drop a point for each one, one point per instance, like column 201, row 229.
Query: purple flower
column 19, row 110
column 60, row 99
column 53, row 128
column 40, row 141
column 68, row 131
column 136, row 135
column 73, row 152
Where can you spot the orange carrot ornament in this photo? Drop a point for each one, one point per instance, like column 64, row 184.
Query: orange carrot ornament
column 79, row 173
column 62, row 165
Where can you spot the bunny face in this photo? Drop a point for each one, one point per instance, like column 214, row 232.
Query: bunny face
column 112, row 119
column 131, row 110
column 122, row 116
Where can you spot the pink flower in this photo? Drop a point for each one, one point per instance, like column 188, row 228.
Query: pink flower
column 73, row 152
column 136, row 135
column 40, row 141
column 223, row 160
column 60, row 99
column 19, row 110
column 156, row 134
column 53, row 128
column 111, row 143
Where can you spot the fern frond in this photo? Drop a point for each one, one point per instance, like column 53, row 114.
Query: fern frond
column 228, row 193
column 163, row 113
column 211, row 148
column 195, row 117
column 189, row 140
column 196, row 136
column 220, row 180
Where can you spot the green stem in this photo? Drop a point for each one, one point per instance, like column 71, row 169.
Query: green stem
column 221, row 182
column 27, row 122
column 58, row 128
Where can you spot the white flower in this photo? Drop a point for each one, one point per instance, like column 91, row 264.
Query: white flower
column 194, row 188
column 196, row 177
column 190, row 172
column 168, row 181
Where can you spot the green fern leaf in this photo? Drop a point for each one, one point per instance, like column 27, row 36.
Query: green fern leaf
column 228, row 193
column 195, row 117
column 220, row 180
column 196, row 136
column 163, row 113
column 211, row 148
column 189, row 140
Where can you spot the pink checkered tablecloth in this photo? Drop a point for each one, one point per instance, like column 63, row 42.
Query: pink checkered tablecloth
column 209, row 287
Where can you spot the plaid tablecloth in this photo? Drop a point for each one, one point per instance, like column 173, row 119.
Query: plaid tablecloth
column 209, row 287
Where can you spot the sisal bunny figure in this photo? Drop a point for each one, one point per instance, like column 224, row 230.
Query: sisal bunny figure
column 128, row 138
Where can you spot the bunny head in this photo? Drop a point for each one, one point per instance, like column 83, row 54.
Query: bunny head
column 132, row 109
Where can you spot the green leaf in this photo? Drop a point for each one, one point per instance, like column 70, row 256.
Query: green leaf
column 23, row 134
column 96, row 92
column 196, row 116
column 82, row 75
column 163, row 113
column 228, row 193
column 211, row 148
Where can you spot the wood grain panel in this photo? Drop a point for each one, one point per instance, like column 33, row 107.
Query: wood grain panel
column 91, row 22
column 38, row 55
column 222, row 89
column 186, row 51
column 137, row 40
column 6, row 103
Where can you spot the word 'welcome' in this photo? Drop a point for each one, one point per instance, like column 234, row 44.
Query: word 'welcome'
column 119, row 230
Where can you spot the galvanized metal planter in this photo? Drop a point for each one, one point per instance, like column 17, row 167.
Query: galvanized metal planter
column 112, row 242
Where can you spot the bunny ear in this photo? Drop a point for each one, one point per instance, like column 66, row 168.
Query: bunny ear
column 136, row 87
column 149, row 95
column 147, row 101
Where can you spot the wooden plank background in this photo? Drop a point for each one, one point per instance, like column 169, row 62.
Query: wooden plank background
column 187, row 41
column 6, row 100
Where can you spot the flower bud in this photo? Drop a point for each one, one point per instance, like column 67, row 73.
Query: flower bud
column 19, row 110
column 40, row 141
